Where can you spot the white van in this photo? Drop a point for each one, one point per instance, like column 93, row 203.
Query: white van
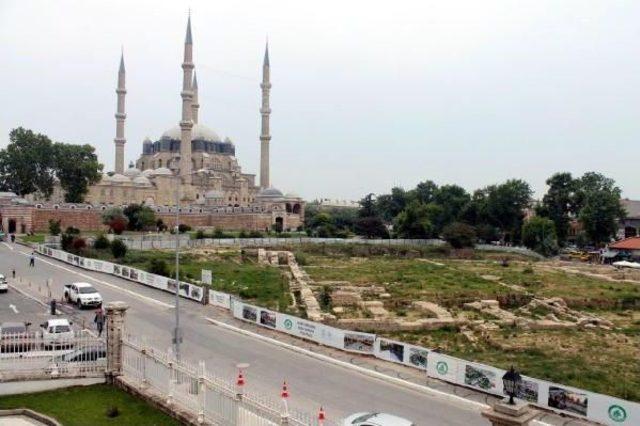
column 57, row 333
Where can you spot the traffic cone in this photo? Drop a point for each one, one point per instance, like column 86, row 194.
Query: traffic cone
column 285, row 391
column 240, row 381
column 321, row 416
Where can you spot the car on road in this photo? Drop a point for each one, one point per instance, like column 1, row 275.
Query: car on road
column 57, row 333
column 4, row 287
column 83, row 295
column 376, row 419
column 16, row 337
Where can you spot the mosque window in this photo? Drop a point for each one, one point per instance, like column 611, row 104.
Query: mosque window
column 142, row 165
column 160, row 163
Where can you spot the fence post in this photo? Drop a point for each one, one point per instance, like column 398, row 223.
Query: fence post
column 115, row 313
column 143, row 353
column 202, row 392
column 171, row 374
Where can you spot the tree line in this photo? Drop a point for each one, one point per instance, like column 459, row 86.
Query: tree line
column 31, row 163
column 504, row 212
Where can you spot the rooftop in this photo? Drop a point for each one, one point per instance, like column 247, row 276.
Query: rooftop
column 632, row 243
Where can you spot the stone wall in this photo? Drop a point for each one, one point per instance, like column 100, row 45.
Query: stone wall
column 83, row 219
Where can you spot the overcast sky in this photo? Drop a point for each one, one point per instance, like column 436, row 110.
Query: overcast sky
column 366, row 94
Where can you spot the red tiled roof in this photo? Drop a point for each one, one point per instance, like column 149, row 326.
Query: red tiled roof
column 632, row 243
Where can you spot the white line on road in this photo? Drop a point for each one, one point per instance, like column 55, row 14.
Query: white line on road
column 14, row 309
column 10, row 248
column 89, row 277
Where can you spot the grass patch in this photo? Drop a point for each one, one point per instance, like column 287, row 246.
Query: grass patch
column 35, row 238
column 89, row 405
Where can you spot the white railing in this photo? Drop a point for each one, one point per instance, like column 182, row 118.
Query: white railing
column 213, row 399
column 29, row 355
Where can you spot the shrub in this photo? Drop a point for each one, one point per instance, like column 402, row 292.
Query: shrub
column 459, row 235
column 218, row 233
column 117, row 225
column 256, row 234
column 159, row 267
column 72, row 231
column 54, row 227
column 118, row 249
column 78, row 243
column 101, row 243
column 200, row 234
column 160, row 225
column 183, row 227
column 242, row 234
column 65, row 241
column 325, row 298
column 140, row 217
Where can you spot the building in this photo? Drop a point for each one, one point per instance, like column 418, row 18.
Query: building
column 630, row 225
column 189, row 164
column 629, row 246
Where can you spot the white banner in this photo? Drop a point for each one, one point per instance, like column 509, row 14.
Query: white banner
column 220, row 299
column 443, row 367
column 207, row 276
column 401, row 353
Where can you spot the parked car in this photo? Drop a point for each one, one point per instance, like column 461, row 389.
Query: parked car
column 84, row 354
column 4, row 287
column 376, row 419
column 16, row 337
column 82, row 294
column 57, row 333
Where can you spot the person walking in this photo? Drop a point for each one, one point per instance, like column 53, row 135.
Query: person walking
column 32, row 260
column 99, row 320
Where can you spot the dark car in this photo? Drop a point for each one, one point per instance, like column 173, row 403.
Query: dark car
column 16, row 337
column 84, row 354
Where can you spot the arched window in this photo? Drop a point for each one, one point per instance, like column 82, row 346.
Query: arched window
column 142, row 165
column 160, row 163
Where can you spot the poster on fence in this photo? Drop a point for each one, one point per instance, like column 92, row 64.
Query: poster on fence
column 443, row 367
column 220, row 299
column 402, row 353
column 609, row 410
column 483, row 377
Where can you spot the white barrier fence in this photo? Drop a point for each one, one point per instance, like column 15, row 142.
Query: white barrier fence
column 30, row 356
column 213, row 399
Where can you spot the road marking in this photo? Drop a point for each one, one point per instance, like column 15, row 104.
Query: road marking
column 10, row 248
column 15, row 310
column 130, row 292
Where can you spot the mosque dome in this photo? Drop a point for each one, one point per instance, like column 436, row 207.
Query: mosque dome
column 214, row 194
column 291, row 195
column 162, row 171
column 198, row 132
column 142, row 181
column 132, row 172
column 120, row 178
column 270, row 193
column 147, row 172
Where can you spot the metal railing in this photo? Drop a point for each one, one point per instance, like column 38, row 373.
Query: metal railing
column 214, row 400
column 31, row 356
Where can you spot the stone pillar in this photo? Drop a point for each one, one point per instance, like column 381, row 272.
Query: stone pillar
column 115, row 315
column 504, row 414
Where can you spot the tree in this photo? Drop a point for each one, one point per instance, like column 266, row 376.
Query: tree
column 413, row 222
column 505, row 205
column 26, row 164
column 101, row 242
column 459, row 235
column 158, row 267
column 451, row 199
column 598, row 200
column 118, row 249
column 54, row 227
column 559, row 203
column 77, row 167
column 367, row 206
column 371, row 227
column 140, row 217
column 425, row 192
column 115, row 219
column 390, row 205
column 539, row 234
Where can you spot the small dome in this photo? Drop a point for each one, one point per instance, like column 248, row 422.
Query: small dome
column 120, row 178
column 270, row 193
column 198, row 132
column 162, row 171
column 141, row 180
column 147, row 172
column 214, row 194
column 147, row 141
column 132, row 172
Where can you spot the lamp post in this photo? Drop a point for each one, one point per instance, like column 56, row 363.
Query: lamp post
column 177, row 333
column 511, row 382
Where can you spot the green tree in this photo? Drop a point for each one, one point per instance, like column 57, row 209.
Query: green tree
column 425, row 192
column 539, row 234
column 559, row 203
column 54, row 227
column 505, row 205
column 101, row 242
column 413, row 222
column 158, row 267
column 118, row 248
column 390, row 205
column 77, row 167
column 598, row 201
column 452, row 199
column 371, row 227
column 26, row 164
column 140, row 217
column 459, row 235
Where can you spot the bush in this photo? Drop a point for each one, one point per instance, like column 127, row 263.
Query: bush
column 159, row 267
column 54, row 227
column 117, row 225
column 140, row 217
column 459, row 235
column 256, row 234
column 200, row 234
column 242, row 234
column 118, row 249
column 78, row 243
column 72, row 231
column 65, row 241
column 183, row 227
column 219, row 233
column 160, row 225
column 101, row 242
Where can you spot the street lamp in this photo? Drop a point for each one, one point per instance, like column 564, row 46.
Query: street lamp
column 177, row 333
column 511, row 382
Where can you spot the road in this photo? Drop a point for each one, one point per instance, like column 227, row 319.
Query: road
column 312, row 382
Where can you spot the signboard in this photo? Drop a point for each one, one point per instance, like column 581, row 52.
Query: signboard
column 207, row 276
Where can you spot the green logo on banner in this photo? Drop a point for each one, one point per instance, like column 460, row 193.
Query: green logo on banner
column 617, row 413
column 442, row 367
column 288, row 324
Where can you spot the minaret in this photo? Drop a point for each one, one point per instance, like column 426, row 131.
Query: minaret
column 120, row 117
column 265, row 111
column 186, row 124
column 194, row 103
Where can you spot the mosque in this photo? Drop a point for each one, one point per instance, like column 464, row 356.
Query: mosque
column 189, row 166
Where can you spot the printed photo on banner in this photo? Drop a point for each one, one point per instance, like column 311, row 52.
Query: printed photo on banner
column 564, row 399
column 124, row 272
column 172, row 285
column 116, row 269
column 76, row 259
column 391, row 351
column 196, row 292
column 249, row 313
column 528, row 391
column 479, row 377
column 70, row 258
column 268, row 319
column 418, row 357
column 184, row 289
column 133, row 274
column 358, row 342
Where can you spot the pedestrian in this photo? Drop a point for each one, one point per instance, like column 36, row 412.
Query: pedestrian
column 32, row 260
column 99, row 320
column 13, row 272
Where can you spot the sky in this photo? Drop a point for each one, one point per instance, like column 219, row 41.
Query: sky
column 366, row 94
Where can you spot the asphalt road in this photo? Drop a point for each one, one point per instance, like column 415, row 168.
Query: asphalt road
column 311, row 382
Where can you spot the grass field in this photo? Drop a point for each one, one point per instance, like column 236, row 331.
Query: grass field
column 35, row 238
column 88, row 405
